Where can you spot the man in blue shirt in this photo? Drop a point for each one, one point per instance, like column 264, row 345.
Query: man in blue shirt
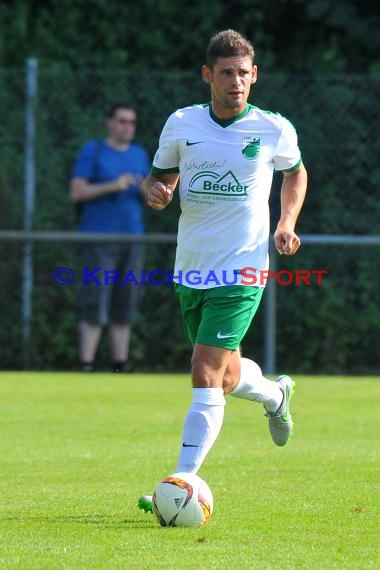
column 106, row 183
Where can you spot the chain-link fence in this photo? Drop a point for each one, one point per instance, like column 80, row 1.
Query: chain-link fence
column 329, row 328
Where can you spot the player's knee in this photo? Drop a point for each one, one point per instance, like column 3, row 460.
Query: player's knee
column 206, row 372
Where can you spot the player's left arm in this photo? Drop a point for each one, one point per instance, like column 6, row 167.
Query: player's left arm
column 293, row 192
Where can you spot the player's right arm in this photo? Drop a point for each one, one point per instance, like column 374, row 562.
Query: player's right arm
column 159, row 189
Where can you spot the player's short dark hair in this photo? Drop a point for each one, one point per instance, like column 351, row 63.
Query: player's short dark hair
column 228, row 43
column 115, row 107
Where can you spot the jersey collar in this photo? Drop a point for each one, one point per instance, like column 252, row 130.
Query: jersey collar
column 226, row 122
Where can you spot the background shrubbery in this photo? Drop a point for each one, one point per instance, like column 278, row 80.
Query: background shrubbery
column 322, row 76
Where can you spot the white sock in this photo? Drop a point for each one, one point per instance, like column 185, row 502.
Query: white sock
column 254, row 386
column 201, row 428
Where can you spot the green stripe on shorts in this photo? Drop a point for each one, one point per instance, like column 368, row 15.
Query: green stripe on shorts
column 219, row 316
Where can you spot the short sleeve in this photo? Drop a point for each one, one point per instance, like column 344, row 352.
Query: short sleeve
column 287, row 155
column 167, row 158
column 84, row 166
column 145, row 166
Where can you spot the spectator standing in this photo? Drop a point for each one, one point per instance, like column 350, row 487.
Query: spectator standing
column 106, row 184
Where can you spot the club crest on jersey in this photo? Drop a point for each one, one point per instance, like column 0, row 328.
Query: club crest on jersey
column 250, row 147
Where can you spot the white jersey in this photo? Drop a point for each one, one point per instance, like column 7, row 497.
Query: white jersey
column 226, row 170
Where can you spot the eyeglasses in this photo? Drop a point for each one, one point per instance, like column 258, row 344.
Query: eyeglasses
column 126, row 121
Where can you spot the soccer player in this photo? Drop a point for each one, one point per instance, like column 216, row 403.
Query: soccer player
column 224, row 154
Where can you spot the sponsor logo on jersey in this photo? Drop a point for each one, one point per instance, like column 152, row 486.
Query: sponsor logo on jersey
column 250, row 147
column 191, row 143
column 208, row 182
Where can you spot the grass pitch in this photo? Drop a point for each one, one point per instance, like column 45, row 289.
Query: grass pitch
column 77, row 450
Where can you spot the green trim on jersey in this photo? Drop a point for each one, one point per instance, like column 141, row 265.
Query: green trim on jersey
column 293, row 168
column 154, row 170
column 226, row 122
column 270, row 113
column 296, row 166
column 266, row 111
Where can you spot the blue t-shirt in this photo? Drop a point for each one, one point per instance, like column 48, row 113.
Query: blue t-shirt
column 119, row 212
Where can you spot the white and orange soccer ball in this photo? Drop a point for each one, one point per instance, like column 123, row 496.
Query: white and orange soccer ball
column 182, row 500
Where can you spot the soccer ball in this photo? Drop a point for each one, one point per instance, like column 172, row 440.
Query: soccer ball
column 182, row 500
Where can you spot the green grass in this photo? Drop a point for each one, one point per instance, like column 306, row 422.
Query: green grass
column 76, row 451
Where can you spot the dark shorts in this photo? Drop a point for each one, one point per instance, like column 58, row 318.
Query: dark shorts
column 101, row 298
column 219, row 316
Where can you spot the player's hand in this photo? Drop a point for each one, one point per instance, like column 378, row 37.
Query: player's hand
column 286, row 241
column 159, row 195
column 124, row 181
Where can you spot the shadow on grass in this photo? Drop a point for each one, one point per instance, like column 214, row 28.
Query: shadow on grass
column 99, row 520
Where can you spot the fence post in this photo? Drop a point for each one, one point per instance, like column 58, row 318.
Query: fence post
column 270, row 323
column 31, row 78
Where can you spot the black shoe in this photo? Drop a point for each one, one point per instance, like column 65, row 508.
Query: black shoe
column 121, row 367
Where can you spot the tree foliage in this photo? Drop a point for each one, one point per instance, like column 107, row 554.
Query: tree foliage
column 171, row 34
column 93, row 52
